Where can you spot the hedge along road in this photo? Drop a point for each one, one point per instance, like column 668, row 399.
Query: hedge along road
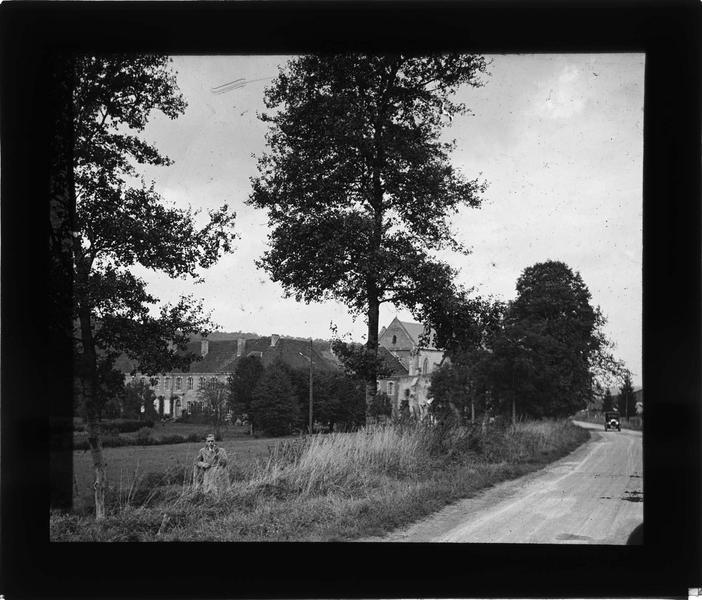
column 592, row 496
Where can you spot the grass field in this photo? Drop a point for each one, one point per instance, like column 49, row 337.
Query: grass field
column 333, row 487
column 126, row 463
column 160, row 430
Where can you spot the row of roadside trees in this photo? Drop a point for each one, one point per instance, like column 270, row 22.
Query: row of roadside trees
column 542, row 355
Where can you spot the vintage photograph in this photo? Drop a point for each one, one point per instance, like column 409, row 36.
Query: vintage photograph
column 353, row 298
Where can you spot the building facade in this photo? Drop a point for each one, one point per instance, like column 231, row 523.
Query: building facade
column 413, row 347
column 179, row 392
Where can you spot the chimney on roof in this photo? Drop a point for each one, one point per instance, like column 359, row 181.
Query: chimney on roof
column 204, row 346
column 240, row 346
column 274, row 339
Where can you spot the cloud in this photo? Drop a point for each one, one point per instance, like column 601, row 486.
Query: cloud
column 562, row 97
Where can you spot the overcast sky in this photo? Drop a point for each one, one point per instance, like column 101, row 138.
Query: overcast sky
column 558, row 138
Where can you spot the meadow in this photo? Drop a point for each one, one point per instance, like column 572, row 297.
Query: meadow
column 127, row 465
column 333, row 487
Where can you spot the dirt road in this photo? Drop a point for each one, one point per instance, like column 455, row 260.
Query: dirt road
column 592, row 496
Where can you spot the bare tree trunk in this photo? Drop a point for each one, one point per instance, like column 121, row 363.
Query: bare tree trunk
column 514, row 410
column 100, row 484
column 372, row 348
column 89, row 377
column 472, row 410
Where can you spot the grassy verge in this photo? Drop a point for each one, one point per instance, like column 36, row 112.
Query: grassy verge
column 330, row 487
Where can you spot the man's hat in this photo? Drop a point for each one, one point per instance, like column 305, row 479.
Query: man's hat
column 210, row 436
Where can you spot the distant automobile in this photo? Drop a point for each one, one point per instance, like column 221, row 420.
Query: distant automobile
column 611, row 421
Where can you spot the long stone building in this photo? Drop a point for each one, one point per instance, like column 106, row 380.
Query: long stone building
column 177, row 392
column 409, row 361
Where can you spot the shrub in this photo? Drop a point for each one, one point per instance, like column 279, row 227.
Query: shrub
column 114, row 441
column 171, row 439
column 108, row 441
column 381, row 406
column 125, row 425
column 195, row 418
column 143, row 436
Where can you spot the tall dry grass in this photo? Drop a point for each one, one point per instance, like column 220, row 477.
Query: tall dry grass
column 348, row 463
column 339, row 461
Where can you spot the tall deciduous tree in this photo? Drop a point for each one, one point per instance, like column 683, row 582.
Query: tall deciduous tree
column 117, row 221
column 542, row 359
column 607, row 401
column 242, row 383
column 465, row 328
column 627, row 405
column 275, row 406
column 339, row 400
column 214, row 396
column 357, row 181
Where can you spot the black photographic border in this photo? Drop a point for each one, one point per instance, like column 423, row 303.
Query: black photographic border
column 35, row 367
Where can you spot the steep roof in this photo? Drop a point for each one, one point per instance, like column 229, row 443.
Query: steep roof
column 416, row 330
column 222, row 356
column 294, row 353
column 391, row 362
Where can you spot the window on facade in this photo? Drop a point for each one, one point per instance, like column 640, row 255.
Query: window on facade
column 178, row 382
column 202, row 382
column 390, row 388
column 190, row 383
column 394, row 339
column 166, row 382
column 213, row 380
column 425, row 366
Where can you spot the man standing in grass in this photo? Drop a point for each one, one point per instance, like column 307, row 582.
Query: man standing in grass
column 210, row 471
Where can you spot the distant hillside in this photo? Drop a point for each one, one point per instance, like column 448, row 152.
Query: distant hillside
column 226, row 335
column 319, row 343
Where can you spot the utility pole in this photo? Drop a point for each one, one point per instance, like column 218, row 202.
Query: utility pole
column 310, row 386
column 310, row 403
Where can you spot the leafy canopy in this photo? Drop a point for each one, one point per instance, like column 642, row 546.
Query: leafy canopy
column 119, row 221
column 214, row 396
column 339, row 400
column 542, row 356
column 627, row 405
column 357, row 183
column 242, row 383
column 274, row 406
